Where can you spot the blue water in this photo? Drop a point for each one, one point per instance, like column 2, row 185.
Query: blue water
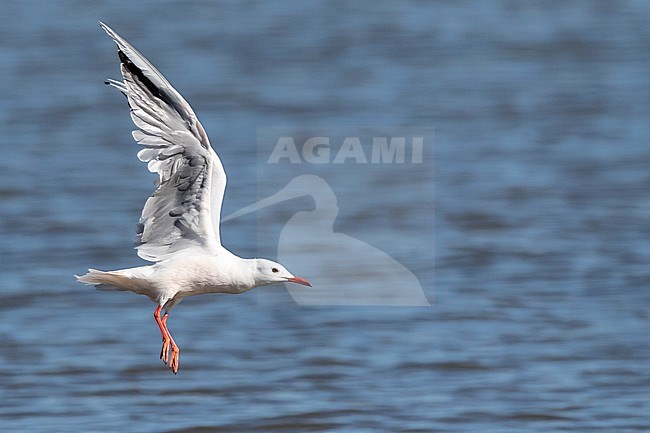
column 526, row 225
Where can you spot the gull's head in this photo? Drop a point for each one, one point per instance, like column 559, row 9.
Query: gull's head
column 269, row 272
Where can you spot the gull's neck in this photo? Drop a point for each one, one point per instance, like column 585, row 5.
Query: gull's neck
column 249, row 272
column 241, row 272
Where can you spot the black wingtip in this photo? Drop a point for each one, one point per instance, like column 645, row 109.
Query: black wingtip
column 155, row 91
column 124, row 59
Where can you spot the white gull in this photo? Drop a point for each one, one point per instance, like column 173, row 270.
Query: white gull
column 179, row 225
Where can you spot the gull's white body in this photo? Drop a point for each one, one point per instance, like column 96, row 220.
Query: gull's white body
column 169, row 281
column 179, row 226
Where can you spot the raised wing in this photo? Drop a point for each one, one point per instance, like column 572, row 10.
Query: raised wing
column 183, row 212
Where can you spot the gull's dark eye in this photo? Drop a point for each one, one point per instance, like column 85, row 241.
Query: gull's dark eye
column 274, row 270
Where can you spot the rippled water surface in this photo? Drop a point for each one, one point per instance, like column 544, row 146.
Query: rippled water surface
column 533, row 252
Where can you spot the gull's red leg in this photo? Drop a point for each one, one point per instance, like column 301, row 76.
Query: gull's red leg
column 173, row 362
column 164, row 353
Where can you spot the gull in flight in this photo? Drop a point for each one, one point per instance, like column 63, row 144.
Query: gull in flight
column 179, row 225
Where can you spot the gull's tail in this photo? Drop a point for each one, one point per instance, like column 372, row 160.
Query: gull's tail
column 104, row 280
column 133, row 280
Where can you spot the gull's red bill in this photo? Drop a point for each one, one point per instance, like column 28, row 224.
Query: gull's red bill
column 299, row 281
